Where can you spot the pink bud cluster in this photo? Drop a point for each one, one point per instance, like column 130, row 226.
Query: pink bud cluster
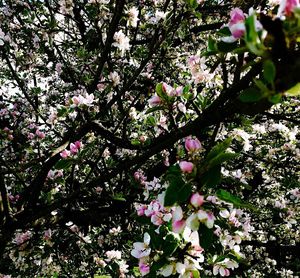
column 192, row 146
column 9, row 133
column 74, row 148
column 13, row 199
column 140, row 177
column 22, row 237
column 156, row 211
column 80, row 100
column 168, row 90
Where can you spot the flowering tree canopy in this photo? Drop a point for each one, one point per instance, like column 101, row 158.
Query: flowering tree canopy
column 154, row 138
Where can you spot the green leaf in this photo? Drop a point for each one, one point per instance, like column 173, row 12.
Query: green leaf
column 218, row 160
column 62, row 111
column 206, row 236
column 294, row 91
column 269, row 71
column 250, row 95
column 63, row 164
column 195, row 274
column 119, row 197
column 153, row 109
column 219, row 148
column 178, row 190
column 262, row 86
column 225, row 31
column 275, row 98
column 212, row 46
column 226, row 47
column 211, row 177
column 193, row 4
column 252, row 38
column 135, row 142
column 170, row 245
column 226, row 196
column 159, row 90
column 151, row 121
column 236, row 201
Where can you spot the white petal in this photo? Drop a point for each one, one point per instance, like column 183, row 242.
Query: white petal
column 180, row 268
column 224, row 213
column 222, row 271
column 135, row 253
column 167, row 270
column 192, row 222
column 146, row 238
column 177, row 214
column 216, row 270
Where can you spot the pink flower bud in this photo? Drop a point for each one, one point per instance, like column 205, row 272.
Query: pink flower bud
column 186, row 167
column 30, row 136
column 40, row 134
column 236, row 16
column 65, row 154
column 237, row 23
column 73, row 149
column 78, row 144
column 197, row 200
column 192, row 145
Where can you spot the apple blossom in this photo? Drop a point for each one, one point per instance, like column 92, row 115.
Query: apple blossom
column 142, row 249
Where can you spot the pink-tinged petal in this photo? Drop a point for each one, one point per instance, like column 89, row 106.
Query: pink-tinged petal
column 156, row 219
column 186, row 167
column 192, row 145
column 227, row 272
column 167, row 88
column 144, row 268
column 154, row 101
column 287, row 7
column 75, row 100
column 197, row 200
column 237, row 30
column 178, row 226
